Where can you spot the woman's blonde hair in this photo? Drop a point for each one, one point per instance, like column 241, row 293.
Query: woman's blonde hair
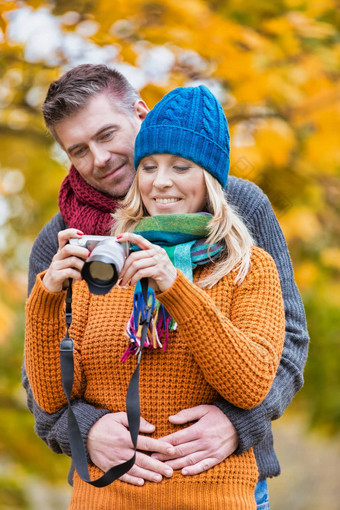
column 225, row 225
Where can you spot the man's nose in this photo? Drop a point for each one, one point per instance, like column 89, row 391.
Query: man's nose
column 101, row 156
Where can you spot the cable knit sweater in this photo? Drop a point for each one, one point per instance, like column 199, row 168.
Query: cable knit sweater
column 228, row 342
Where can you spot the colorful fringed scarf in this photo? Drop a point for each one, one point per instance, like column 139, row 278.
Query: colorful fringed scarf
column 183, row 236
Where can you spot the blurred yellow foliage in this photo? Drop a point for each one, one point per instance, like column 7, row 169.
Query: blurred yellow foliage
column 330, row 257
column 274, row 66
column 316, row 7
column 301, row 223
column 275, row 139
column 7, row 319
column 306, row 275
column 330, row 295
column 323, row 149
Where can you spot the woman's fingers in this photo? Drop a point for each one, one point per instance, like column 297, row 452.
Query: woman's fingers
column 149, row 264
column 65, row 235
column 70, row 250
column 67, row 262
column 137, row 261
column 57, row 282
column 151, row 261
column 136, row 239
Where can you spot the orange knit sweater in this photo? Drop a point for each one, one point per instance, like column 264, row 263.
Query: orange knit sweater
column 228, row 341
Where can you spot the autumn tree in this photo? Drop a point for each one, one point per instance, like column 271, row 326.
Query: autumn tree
column 274, row 66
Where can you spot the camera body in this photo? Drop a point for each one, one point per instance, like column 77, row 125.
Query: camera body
column 105, row 262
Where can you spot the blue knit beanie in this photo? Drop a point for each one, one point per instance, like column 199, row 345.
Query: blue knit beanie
column 190, row 123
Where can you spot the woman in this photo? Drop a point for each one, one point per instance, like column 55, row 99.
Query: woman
column 217, row 322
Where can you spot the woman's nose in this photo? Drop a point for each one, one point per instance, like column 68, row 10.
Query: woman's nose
column 162, row 179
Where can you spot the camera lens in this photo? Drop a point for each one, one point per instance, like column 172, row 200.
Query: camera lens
column 103, row 266
column 101, row 271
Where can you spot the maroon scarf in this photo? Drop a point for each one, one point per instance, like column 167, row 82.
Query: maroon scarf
column 84, row 207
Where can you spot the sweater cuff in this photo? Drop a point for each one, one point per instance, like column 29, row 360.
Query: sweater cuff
column 87, row 415
column 43, row 303
column 182, row 299
column 251, row 425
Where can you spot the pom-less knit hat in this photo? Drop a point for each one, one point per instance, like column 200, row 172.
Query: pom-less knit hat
column 190, row 123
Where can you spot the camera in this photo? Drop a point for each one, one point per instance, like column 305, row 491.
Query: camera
column 105, row 262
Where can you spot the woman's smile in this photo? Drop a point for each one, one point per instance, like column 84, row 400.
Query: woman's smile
column 166, row 200
column 171, row 185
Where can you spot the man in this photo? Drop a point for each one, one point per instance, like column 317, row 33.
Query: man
column 95, row 114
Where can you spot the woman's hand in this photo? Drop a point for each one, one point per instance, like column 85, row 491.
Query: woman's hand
column 66, row 263
column 150, row 262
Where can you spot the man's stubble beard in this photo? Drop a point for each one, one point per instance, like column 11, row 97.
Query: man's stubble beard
column 98, row 174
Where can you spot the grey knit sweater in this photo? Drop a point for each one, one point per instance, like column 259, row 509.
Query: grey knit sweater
column 253, row 426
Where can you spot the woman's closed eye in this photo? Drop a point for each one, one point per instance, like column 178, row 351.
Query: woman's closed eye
column 149, row 168
column 181, row 168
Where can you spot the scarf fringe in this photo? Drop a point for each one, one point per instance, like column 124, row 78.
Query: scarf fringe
column 183, row 236
column 158, row 333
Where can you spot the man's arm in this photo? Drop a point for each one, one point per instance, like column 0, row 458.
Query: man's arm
column 252, row 426
column 53, row 428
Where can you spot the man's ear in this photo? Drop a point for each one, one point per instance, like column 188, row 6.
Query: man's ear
column 141, row 109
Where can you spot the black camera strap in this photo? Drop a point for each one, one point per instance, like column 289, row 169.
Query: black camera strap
column 78, row 449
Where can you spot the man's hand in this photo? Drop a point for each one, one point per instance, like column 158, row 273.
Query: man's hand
column 202, row 445
column 109, row 443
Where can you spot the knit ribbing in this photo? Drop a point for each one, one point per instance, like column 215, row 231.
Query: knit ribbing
column 175, row 494
column 190, row 123
column 84, row 207
column 184, row 376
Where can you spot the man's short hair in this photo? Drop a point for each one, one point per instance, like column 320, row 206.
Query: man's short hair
column 70, row 93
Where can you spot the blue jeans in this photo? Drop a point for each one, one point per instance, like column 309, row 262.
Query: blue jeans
column 262, row 495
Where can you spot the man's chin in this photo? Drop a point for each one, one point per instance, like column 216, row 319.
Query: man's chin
column 114, row 189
